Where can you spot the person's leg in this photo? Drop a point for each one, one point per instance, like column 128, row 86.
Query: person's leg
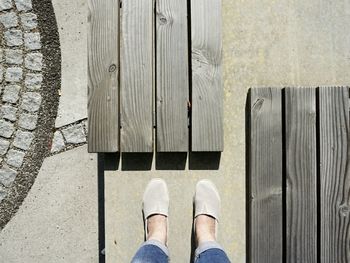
column 210, row 252
column 208, row 249
column 152, row 251
column 155, row 208
column 207, row 209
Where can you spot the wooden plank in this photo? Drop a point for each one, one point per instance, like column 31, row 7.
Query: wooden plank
column 301, row 172
column 137, row 75
column 265, row 176
column 103, row 71
column 207, row 90
column 335, row 174
column 172, row 86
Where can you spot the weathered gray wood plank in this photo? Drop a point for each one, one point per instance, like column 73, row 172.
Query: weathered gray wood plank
column 335, row 174
column 103, row 70
column 207, row 90
column 136, row 75
column 265, row 176
column 301, row 169
column 172, row 86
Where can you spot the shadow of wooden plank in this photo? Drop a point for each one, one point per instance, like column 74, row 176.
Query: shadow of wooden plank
column 171, row 160
column 101, row 207
column 204, row 160
column 111, row 161
column 137, row 161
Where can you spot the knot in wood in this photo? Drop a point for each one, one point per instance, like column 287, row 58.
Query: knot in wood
column 258, row 104
column 344, row 210
column 112, row 68
column 162, row 19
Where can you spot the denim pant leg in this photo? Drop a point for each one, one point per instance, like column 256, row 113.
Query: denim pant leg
column 151, row 251
column 210, row 252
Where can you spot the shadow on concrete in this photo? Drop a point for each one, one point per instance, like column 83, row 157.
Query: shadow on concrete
column 143, row 162
column 101, row 206
column 164, row 161
column 137, row 161
column 193, row 238
column 111, row 161
column 171, row 161
column 204, row 160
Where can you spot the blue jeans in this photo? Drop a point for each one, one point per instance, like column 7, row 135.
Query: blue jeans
column 153, row 251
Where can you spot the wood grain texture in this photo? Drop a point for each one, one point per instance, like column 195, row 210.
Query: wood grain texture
column 172, row 86
column 265, row 176
column 103, row 70
column 301, row 172
column 136, row 75
column 335, row 174
column 207, row 89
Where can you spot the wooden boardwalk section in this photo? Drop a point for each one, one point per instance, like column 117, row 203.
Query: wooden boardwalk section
column 298, row 198
column 155, row 68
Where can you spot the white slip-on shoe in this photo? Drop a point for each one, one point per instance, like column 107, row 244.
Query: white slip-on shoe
column 207, row 201
column 155, row 201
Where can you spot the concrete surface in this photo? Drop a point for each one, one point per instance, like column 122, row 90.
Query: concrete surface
column 58, row 220
column 71, row 19
column 266, row 43
column 124, row 224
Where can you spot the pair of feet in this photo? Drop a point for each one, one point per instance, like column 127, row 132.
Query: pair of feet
column 207, row 207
